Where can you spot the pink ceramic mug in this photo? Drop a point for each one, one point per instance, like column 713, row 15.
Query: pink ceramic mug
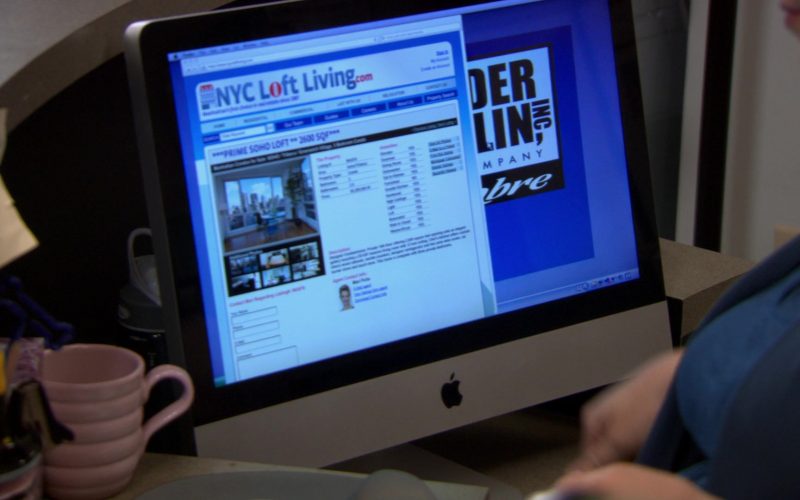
column 98, row 391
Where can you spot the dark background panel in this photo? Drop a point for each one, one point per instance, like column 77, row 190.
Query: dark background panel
column 73, row 170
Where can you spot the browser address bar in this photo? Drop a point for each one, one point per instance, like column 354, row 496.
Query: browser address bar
column 219, row 62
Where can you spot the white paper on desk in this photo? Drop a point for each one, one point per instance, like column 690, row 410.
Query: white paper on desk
column 15, row 237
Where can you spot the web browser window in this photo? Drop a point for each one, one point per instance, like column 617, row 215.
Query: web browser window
column 393, row 179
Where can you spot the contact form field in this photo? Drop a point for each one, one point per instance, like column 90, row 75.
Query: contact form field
column 251, row 322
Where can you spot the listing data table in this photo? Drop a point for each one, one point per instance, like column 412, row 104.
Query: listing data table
column 404, row 182
column 345, row 175
column 402, row 167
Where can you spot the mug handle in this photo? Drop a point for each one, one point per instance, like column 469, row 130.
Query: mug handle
column 174, row 409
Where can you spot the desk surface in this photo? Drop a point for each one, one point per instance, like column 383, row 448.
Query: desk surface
column 521, row 452
column 159, row 469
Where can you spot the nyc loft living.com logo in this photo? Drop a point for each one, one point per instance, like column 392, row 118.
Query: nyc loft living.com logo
column 287, row 87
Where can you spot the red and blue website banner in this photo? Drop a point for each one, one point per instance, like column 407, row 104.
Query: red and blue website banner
column 530, row 153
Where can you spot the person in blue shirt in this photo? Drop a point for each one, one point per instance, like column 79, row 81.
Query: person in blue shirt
column 720, row 419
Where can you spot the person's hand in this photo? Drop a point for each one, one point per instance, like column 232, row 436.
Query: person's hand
column 615, row 424
column 622, row 481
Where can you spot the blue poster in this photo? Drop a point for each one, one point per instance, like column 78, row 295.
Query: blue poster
column 529, row 148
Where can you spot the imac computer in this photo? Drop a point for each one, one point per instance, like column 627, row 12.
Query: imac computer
column 375, row 221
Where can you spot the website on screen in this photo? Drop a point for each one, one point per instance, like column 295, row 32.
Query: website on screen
column 420, row 176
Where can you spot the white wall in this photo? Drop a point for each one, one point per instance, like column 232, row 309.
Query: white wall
column 763, row 179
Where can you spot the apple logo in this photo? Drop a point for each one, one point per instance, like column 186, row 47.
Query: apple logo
column 450, row 394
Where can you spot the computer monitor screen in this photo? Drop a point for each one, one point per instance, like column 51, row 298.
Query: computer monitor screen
column 357, row 197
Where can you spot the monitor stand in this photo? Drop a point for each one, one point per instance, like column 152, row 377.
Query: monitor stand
column 428, row 465
column 523, row 451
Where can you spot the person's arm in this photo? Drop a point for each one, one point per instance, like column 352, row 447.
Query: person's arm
column 615, row 424
column 623, row 481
